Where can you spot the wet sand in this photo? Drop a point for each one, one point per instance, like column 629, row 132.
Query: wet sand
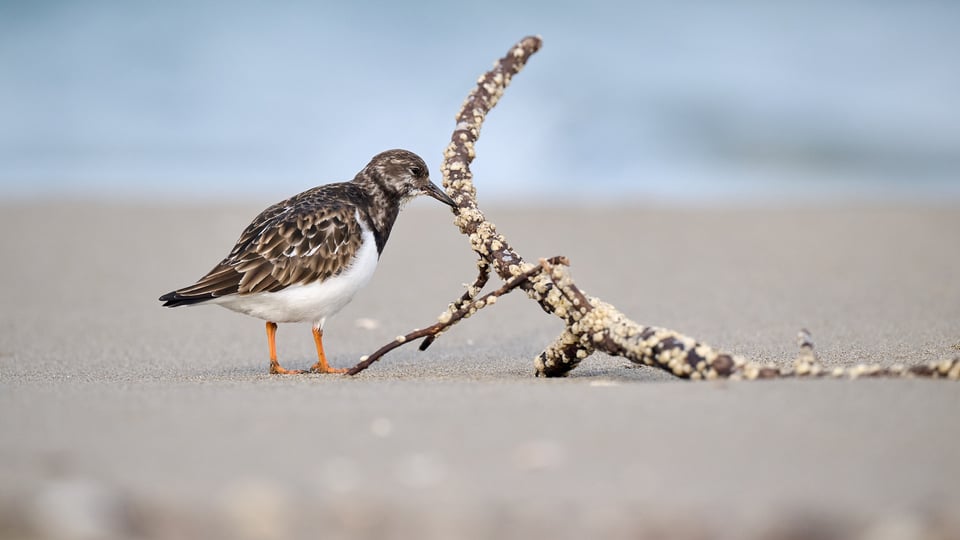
column 124, row 419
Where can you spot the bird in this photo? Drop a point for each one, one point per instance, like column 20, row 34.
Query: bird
column 303, row 259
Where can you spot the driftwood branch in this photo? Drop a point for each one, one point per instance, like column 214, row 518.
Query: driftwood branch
column 591, row 324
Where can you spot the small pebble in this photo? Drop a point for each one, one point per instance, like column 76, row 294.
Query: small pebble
column 367, row 323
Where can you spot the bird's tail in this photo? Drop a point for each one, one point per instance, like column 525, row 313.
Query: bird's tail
column 175, row 298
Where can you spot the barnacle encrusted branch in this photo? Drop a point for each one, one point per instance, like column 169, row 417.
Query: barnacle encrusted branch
column 591, row 324
column 472, row 291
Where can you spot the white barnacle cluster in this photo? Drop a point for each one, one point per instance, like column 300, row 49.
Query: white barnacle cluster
column 567, row 351
column 458, row 177
column 482, row 237
column 472, row 290
column 517, row 269
column 478, row 115
column 541, row 284
column 464, row 192
column 495, row 86
column 717, row 365
column 605, row 320
column 467, row 309
column 476, row 242
column 542, row 288
column 446, row 316
column 540, row 363
column 556, row 300
column 467, row 217
column 569, row 338
column 642, row 348
column 704, row 368
column 806, row 365
column 465, row 134
column 575, row 296
column 752, row 371
column 950, row 369
column 466, row 105
column 592, row 327
column 450, row 151
column 676, row 358
column 472, row 308
column 863, row 370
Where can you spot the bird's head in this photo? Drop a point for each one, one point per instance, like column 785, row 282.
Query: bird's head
column 404, row 175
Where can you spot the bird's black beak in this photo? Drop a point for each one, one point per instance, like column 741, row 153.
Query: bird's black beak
column 434, row 191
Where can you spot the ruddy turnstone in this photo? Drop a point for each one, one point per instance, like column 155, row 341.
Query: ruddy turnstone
column 304, row 258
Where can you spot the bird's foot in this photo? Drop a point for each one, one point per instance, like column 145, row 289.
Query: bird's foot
column 318, row 368
column 276, row 369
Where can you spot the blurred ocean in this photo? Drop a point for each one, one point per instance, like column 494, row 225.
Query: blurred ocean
column 707, row 102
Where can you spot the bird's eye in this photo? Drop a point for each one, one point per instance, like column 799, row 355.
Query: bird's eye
column 416, row 171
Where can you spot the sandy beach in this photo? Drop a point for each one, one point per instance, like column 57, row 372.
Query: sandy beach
column 123, row 419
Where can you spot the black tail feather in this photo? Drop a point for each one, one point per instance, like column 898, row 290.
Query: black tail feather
column 174, row 299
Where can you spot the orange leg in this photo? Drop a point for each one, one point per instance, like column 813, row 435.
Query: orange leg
column 322, row 366
column 275, row 367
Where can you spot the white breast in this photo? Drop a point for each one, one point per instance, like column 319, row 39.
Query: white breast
column 313, row 302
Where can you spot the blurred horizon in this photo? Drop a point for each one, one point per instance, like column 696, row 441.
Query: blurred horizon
column 688, row 102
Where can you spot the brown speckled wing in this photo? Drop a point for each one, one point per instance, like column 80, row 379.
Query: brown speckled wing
column 307, row 238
